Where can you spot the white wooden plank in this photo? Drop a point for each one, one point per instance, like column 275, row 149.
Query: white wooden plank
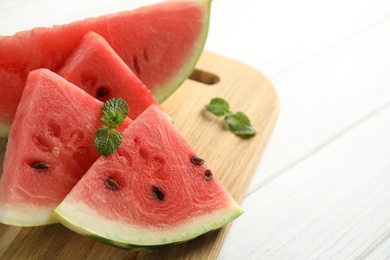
column 332, row 205
column 325, row 96
column 379, row 248
column 274, row 36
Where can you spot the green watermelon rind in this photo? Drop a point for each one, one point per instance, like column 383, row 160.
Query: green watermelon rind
column 162, row 93
column 78, row 217
column 4, row 130
column 128, row 246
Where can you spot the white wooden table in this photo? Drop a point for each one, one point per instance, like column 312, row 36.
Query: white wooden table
column 322, row 188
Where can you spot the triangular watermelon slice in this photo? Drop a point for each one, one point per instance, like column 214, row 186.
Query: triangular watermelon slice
column 161, row 43
column 50, row 147
column 153, row 191
column 96, row 68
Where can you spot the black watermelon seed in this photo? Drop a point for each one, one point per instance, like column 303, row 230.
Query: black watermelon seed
column 102, row 92
column 158, row 193
column 40, row 166
column 197, row 160
column 208, row 174
column 111, row 184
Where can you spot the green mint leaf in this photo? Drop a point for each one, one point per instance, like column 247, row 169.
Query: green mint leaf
column 114, row 112
column 239, row 124
column 107, row 140
column 218, row 107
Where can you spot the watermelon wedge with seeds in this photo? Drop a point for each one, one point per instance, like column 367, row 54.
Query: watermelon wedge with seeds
column 97, row 69
column 161, row 43
column 50, row 147
column 153, row 191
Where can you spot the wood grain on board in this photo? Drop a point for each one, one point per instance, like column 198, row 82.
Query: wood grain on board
column 233, row 161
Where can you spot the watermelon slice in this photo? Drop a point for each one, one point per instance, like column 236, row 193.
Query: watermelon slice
column 152, row 191
column 96, row 68
column 161, row 43
column 51, row 145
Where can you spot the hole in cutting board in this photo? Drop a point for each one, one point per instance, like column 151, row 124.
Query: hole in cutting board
column 204, row 77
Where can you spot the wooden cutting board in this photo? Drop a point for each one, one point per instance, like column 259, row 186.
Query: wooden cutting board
column 232, row 159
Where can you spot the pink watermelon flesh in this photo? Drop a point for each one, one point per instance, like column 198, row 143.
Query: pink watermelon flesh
column 97, row 69
column 148, row 193
column 50, row 147
column 160, row 43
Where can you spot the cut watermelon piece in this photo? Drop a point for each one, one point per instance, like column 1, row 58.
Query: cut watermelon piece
column 161, row 43
column 152, row 191
column 50, row 147
column 96, row 68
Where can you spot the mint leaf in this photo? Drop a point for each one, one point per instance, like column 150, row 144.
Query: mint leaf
column 239, row 124
column 107, row 140
column 218, row 107
column 114, row 112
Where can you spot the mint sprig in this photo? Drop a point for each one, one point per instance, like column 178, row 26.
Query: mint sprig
column 107, row 139
column 238, row 123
